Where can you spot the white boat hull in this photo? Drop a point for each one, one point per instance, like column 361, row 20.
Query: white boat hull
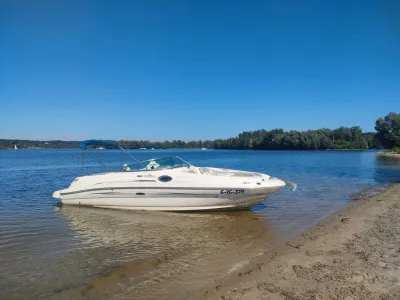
column 171, row 200
column 189, row 189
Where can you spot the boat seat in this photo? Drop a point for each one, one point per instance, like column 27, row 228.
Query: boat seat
column 207, row 171
column 210, row 171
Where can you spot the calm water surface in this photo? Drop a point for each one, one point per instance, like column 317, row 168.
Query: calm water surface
column 76, row 253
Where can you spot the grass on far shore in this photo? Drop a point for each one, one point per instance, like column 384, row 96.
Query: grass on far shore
column 395, row 150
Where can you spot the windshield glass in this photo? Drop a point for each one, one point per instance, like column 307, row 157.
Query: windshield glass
column 156, row 164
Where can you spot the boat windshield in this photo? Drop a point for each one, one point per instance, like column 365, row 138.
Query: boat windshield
column 157, row 164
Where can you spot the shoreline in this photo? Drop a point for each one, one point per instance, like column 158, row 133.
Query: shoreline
column 388, row 154
column 266, row 150
column 352, row 254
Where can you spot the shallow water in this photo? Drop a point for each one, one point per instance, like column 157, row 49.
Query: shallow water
column 73, row 253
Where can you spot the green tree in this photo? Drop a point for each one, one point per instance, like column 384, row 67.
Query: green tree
column 250, row 143
column 372, row 140
column 388, row 130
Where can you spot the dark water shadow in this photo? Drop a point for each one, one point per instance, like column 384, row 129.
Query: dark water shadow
column 387, row 169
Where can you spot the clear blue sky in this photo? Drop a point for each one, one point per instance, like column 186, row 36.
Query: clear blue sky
column 194, row 69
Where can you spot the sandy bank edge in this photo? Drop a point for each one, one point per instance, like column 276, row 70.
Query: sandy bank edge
column 354, row 254
column 388, row 154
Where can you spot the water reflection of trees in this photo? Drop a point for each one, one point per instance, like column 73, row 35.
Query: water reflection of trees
column 387, row 169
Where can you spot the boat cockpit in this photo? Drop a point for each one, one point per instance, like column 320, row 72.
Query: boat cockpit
column 170, row 162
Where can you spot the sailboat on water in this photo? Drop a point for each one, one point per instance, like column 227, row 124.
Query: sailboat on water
column 15, row 147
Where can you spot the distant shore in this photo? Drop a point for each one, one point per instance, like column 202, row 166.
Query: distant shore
column 351, row 255
column 389, row 154
column 348, row 149
column 174, row 148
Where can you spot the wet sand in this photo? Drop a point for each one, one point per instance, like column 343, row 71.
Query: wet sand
column 354, row 254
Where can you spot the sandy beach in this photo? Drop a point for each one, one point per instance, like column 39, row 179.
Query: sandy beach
column 389, row 154
column 354, row 254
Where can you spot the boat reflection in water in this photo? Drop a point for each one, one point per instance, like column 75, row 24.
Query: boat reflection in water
column 136, row 253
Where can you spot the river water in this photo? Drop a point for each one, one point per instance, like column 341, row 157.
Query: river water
column 84, row 253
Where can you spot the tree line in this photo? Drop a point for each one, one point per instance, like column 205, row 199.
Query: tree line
column 321, row 139
column 388, row 132
column 342, row 138
column 276, row 139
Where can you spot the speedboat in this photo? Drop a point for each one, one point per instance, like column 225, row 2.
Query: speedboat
column 169, row 184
